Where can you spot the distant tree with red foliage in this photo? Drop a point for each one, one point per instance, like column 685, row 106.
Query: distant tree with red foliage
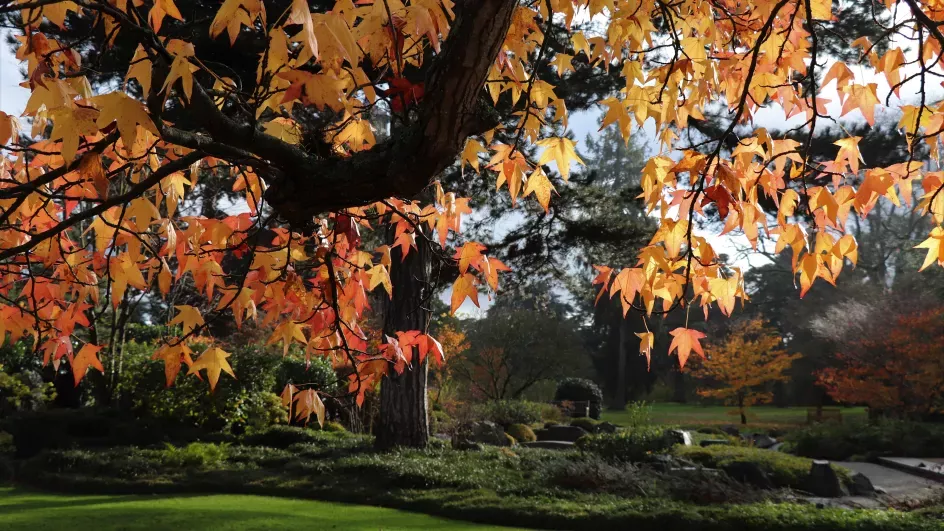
column 897, row 368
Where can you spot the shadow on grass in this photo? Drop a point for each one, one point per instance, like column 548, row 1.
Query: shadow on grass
column 29, row 510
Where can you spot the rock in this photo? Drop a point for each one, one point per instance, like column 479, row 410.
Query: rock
column 465, row 444
column 481, row 432
column 561, row 433
column 731, row 429
column 763, row 441
column 749, row 473
column 666, row 462
column 880, row 490
column 777, row 447
column 607, row 427
column 861, row 485
column 714, row 442
column 678, row 437
column 548, row 445
column 823, row 481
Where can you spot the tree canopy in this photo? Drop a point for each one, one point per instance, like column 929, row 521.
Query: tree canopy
column 332, row 118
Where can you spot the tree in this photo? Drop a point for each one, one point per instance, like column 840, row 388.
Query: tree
column 739, row 367
column 92, row 193
column 514, row 349
column 894, row 366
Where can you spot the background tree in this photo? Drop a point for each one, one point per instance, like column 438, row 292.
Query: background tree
column 513, row 350
column 739, row 367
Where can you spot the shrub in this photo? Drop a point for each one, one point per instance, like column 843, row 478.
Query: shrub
column 588, row 424
column 333, row 427
column 710, row 430
column 784, row 470
column 440, row 422
column 638, row 414
column 521, row 432
column 886, row 437
column 196, row 455
column 511, row 440
column 82, row 428
column 551, row 413
column 580, row 390
column 507, row 412
column 626, row 446
column 594, row 474
column 281, row 437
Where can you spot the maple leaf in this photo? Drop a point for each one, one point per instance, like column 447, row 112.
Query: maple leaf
column 380, row 276
column 684, row 340
column 161, row 9
column 287, row 332
column 470, row 254
column 470, row 153
column 173, row 356
column 128, row 112
column 187, row 316
column 539, row 185
column 935, row 246
column 562, row 151
column 90, row 168
column 87, row 357
column 234, row 14
column 9, row 127
column 646, row 342
column 308, row 402
column 213, row 360
column 300, row 15
column 464, row 287
column 287, row 395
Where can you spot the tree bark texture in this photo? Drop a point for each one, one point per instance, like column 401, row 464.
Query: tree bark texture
column 619, row 398
column 404, row 415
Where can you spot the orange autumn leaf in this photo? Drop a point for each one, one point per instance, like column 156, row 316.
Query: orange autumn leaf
column 684, row 340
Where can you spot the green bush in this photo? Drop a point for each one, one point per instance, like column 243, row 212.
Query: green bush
column 507, row 412
column 638, row 414
column 281, row 437
column 333, row 427
column 440, row 422
column 784, row 470
column 580, row 390
column 886, row 437
column 587, row 424
column 196, row 455
column 551, row 413
column 625, row 446
column 521, row 432
column 36, row 431
column 249, row 403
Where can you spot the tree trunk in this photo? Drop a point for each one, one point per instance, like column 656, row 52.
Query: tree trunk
column 619, row 398
column 404, row 417
column 741, row 410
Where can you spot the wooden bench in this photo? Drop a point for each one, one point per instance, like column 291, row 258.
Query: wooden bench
column 832, row 414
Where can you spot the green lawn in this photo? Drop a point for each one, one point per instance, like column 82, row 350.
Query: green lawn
column 32, row 511
column 694, row 415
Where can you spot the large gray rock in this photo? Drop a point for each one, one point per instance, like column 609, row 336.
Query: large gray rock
column 607, row 427
column 678, row 437
column 761, row 440
column 749, row 473
column 481, row 432
column 548, row 445
column 561, row 433
column 823, row 481
column 861, row 485
column 731, row 429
